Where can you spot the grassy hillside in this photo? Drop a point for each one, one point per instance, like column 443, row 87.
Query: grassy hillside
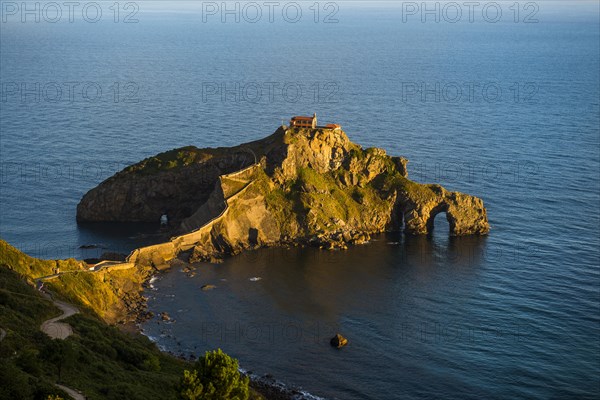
column 32, row 267
column 97, row 359
column 111, row 296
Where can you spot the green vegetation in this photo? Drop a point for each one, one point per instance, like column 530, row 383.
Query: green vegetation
column 105, row 294
column 85, row 289
column 324, row 198
column 32, row 267
column 167, row 160
column 279, row 200
column 215, row 376
column 22, row 310
column 97, row 359
column 316, row 200
column 190, row 386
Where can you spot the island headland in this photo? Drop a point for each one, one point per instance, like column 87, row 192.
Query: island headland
column 303, row 185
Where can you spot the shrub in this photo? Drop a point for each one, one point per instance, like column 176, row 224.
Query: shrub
column 28, row 361
column 14, row 383
column 216, row 377
column 151, row 363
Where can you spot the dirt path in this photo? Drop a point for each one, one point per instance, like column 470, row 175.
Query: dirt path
column 59, row 330
column 73, row 393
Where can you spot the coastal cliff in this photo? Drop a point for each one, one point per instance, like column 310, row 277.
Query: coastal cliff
column 296, row 186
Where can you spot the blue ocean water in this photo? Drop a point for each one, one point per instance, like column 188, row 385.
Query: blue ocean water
column 508, row 111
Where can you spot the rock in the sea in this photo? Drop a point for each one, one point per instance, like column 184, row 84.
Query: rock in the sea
column 165, row 316
column 338, row 341
column 90, row 246
column 208, row 287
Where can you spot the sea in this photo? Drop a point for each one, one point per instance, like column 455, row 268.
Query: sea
column 496, row 99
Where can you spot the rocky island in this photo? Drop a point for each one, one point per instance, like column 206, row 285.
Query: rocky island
column 304, row 184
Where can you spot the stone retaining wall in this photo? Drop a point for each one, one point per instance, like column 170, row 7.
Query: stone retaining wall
column 157, row 255
column 160, row 253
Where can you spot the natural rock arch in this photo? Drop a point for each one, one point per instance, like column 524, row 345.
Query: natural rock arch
column 465, row 214
column 440, row 209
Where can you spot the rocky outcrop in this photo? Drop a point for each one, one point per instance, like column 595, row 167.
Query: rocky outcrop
column 176, row 182
column 338, row 341
column 297, row 186
column 466, row 214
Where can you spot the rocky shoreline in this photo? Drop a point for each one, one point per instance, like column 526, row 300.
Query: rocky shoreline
column 267, row 385
column 272, row 389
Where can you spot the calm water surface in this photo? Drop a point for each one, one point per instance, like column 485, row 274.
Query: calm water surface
column 512, row 315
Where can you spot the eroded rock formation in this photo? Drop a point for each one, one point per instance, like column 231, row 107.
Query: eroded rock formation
column 296, row 186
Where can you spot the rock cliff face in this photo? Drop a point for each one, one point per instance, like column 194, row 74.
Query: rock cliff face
column 176, row 182
column 296, row 186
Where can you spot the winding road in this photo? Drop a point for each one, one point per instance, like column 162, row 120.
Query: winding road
column 61, row 330
column 56, row 329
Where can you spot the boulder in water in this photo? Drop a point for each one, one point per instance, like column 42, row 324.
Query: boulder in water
column 338, row 341
column 165, row 316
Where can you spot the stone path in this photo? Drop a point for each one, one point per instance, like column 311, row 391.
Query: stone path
column 102, row 265
column 56, row 329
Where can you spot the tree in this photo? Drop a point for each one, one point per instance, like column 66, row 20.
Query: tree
column 216, row 377
column 190, row 387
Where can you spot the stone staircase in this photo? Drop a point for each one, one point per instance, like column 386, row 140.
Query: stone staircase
column 228, row 185
column 195, row 226
column 214, row 206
